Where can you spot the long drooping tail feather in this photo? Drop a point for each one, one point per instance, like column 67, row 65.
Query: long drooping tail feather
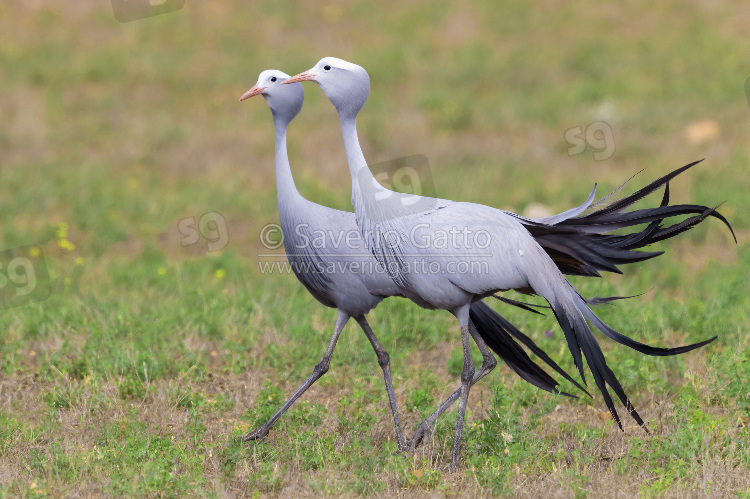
column 532, row 307
column 497, row 332
column 529, row 307
column 581, row 341
column 580, row 245
column 571, row 311
column 636, row 345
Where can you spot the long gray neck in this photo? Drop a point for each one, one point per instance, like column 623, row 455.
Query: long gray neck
column 358, row 168
column 286, row 191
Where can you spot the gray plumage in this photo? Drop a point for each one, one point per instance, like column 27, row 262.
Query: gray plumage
column 312, row 243
column 329, row 257
column 402, row 232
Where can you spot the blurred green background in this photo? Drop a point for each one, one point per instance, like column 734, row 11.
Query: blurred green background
column 113, row 133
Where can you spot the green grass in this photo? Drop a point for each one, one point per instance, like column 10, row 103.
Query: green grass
column 136, row 366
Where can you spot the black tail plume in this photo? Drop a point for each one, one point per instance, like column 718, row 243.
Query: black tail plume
column 581, row 245
column 575, row 327
column 497, row 332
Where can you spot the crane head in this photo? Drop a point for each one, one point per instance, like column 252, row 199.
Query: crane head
column 284, row 100
column 346, row 85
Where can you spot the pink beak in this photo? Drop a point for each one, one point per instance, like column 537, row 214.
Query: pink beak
column 255, row 90
column 303, row 76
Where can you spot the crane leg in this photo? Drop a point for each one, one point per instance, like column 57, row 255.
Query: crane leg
column 467, row 375
column 385, row 365
column 424, row 430
column 317, row 373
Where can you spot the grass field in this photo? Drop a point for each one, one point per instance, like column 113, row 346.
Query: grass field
column 135, row 362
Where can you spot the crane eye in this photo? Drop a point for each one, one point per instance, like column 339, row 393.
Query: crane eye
column 326, row 67
column 273, row 79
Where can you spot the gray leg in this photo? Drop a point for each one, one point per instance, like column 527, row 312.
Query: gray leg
column 317, row 373
column 424, row 430
column 385, row 365
column 467, row 375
